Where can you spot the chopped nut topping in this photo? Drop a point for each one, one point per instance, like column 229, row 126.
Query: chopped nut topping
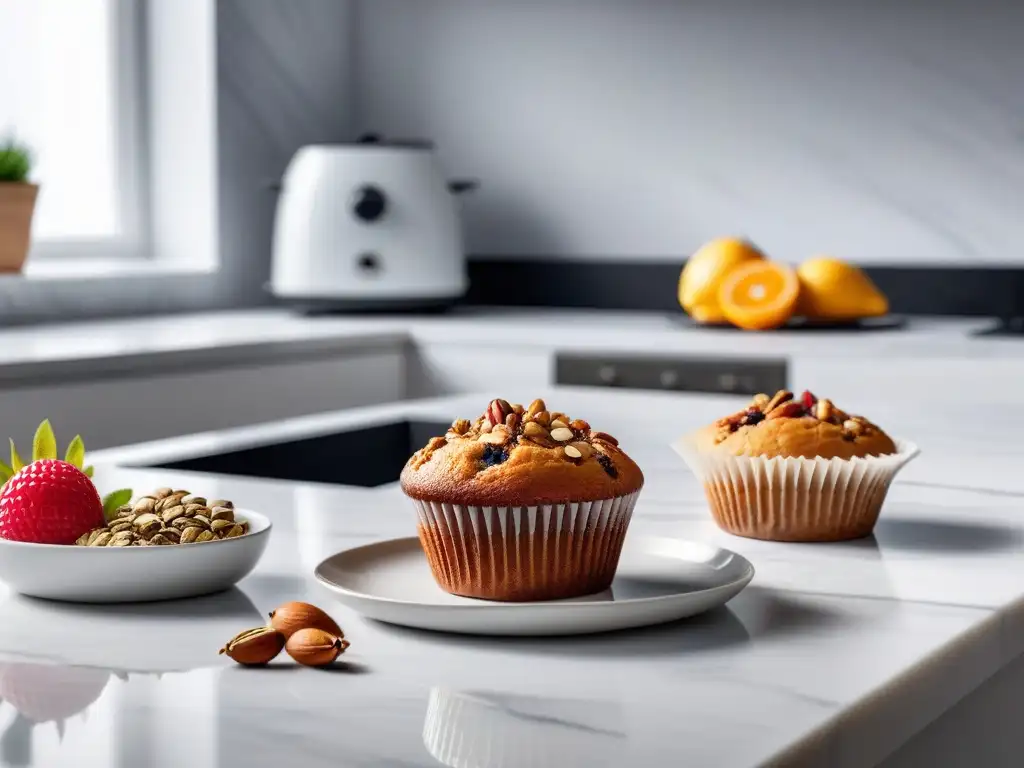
column 497, row 436
column 787, row 411
column 498, row 410
column 504, row 426
column 853, row 426
column 823, row 410
column 781, row 406
column 533, row 429
column 782, row 396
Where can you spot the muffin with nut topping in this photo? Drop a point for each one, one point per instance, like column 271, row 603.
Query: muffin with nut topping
column 795, row 469
column 522, row 504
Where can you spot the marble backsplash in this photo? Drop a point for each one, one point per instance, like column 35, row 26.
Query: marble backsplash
column 884, row 132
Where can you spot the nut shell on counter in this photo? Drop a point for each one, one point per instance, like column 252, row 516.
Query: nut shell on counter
column 314, row 647
column 294, row 616
column 255, row 647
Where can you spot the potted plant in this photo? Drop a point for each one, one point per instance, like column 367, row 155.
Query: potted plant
column 17, row 205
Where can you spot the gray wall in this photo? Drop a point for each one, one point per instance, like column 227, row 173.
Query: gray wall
column 284, row 79
column 880, row 131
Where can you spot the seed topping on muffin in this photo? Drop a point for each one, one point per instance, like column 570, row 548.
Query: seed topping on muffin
column 783, row 405
column 503, row 427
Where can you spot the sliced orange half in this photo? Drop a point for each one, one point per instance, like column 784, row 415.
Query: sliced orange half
column 759, row 295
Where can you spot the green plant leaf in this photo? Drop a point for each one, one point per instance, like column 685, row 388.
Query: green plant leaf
column 15, row 161
column 88, row 471
column 115, row 499
column 16, row 462
column 76, row 452
column 44, row 444
column 5, row 474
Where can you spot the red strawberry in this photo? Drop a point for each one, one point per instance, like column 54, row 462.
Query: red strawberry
column 808, row 399
column 49, row 502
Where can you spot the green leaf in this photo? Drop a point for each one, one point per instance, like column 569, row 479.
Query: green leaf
column 16, row 462
column 88, row 471
column 76, row 452
column 15, row 161
column 44, row 444
column 115, row 499
column 5, row 473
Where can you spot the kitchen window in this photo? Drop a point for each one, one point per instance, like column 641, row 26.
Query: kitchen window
column 71, row 75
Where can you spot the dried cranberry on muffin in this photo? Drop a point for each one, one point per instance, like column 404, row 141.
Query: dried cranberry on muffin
column 522, row 504
column 795, row 469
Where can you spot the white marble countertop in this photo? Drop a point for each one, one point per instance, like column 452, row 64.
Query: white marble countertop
column 834, row 656
column 239, row 336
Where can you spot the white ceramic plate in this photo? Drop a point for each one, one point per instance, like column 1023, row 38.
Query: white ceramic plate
column 132, row 574
column 658, row 580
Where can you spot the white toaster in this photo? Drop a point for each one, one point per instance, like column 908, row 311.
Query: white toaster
column 367, row 225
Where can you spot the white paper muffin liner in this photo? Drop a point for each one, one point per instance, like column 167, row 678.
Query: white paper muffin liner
column 520, row 554
column 795, row 499
column 482, row 730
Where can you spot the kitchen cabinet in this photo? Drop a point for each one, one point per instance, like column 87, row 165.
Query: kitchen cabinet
column 179, row 374
column 448, row 369
column 124, row 408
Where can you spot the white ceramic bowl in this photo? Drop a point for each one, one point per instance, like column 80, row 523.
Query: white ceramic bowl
column 132, row 574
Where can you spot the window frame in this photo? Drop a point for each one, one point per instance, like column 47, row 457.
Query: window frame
column 129, row 57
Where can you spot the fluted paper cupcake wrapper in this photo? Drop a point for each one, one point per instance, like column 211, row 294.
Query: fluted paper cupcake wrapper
column 519, row 554
column 467, row 730
column 795, row 499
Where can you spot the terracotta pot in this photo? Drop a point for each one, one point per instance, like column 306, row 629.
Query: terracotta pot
column 17, row 205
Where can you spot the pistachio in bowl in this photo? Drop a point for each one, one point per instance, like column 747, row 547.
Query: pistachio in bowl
column 167, row 517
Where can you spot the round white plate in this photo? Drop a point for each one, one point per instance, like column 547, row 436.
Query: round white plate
column 132, row 574
column 658, row 580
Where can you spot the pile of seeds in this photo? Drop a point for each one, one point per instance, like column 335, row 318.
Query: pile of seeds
column 166, row 517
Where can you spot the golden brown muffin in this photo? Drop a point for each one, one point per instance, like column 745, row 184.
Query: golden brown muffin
column 522, row 504
column 763, row 476
column 806, row 427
